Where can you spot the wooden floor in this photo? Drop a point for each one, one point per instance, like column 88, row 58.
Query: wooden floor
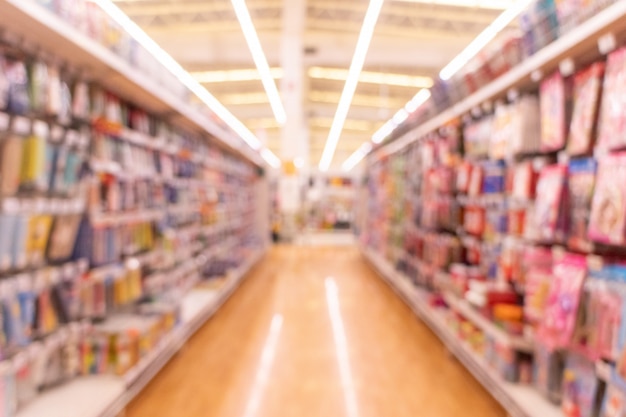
column 313, row 332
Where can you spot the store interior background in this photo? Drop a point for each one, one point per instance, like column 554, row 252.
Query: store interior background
column 309, row 48
column 158, row 157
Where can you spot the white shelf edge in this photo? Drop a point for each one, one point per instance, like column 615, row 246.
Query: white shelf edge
column 586, row 33
column 113, row 394
column 518, row 400
column 34, row 15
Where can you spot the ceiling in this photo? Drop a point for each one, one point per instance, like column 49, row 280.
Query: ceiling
column 412, row 41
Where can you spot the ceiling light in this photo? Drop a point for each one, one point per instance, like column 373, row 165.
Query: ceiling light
column 175, row 68
column 483, row 39
column 419, row 99
column 357, row 156
column 386, row 130
column 365, row 37
column 400, row 116
column 371, row 77
column 234, row 75
column 243, row 15
column 270, row 158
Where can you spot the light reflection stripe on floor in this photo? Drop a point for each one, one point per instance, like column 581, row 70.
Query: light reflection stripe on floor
column 265, row 366
column 341, row 347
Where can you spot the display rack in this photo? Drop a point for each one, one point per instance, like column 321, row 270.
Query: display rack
column 32, row 24
column 475, row 213
column 574, row 45
column 131, row 217
column 518, row 400
column 107, row 396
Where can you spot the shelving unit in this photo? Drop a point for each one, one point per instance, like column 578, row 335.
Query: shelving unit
column 107, row 396
column 163, row 201
column 493, row 206
column 518, row 400
column 34, row 25
column 575, row 44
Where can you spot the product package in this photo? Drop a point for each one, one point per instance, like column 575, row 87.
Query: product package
column 557, row 326
column 614, row 402
column 587, row 93
column 581, row 182
column 607, row 223
column 611, row 123
column 548, row 368
column 63, row 237
column 549, row 210
column 580, row 388
column 555, row 102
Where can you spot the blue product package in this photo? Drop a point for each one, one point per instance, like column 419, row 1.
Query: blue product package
column 26, row 299
column 46, row 182
column 18, row 249
column 494, row 177
column 7, row 232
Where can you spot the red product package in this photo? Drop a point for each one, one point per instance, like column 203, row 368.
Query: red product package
column 555, row 103
column 587, row 91
column 557, row 325
column 607, row 223
column 612, row 123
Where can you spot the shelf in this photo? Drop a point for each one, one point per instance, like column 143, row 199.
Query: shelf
column 574, row 44
column 107, row 396
column 462, row 307
column 37, row 26
column 519, row 400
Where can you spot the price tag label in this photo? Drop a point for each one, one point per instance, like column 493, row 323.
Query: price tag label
column 21, row 126
column 512, row 94
column 567, row 67
column 607, row 43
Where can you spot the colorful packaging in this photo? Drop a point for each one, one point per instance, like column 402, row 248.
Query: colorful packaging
column 549, row 213
column 608, row 209
column 587, row 91
column 581, row 182
column 555, row 103
column 612, row 123
column 557, row 326
column 580, row 387
column 614, row 402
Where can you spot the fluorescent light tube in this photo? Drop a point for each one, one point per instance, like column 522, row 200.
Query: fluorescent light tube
column 175, row 68
column 365, row 37
column 384, row 131
column 243, row 15
column 483, row 39
column 270, row 158
column 417, row 101
column 400, row 116
column 356, row 157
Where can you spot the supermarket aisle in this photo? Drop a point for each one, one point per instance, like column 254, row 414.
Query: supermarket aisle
column 314, row 333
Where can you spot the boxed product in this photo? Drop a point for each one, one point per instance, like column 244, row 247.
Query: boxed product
column 607, row 221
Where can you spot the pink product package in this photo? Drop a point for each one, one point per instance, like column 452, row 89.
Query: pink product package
column 608, row 210
column 555, row 101
column 612, row 120
column 557, row 326
column 550, row 195
column 587, row 89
